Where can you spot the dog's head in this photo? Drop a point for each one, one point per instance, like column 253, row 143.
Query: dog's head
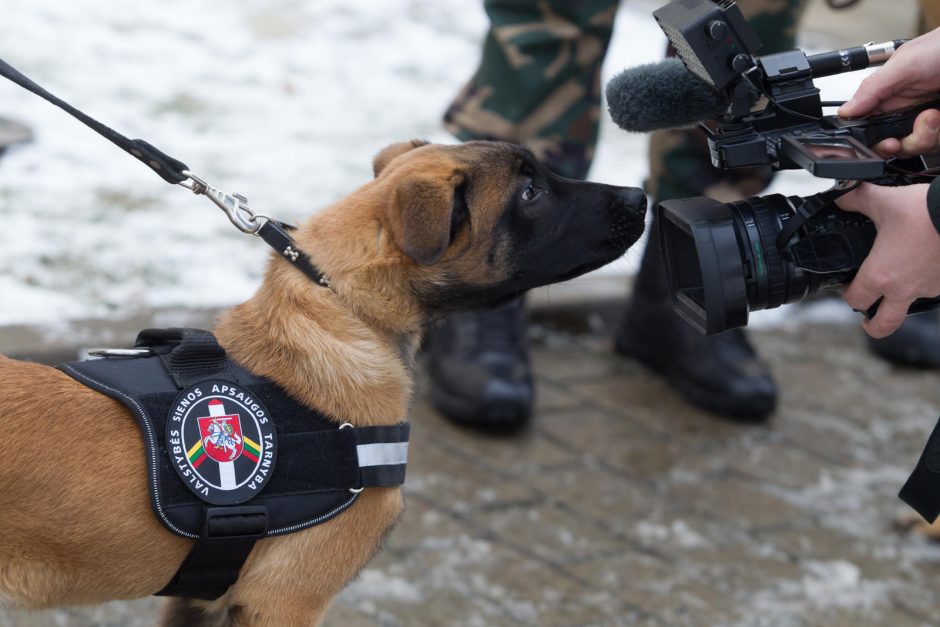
column 447, row 227
column 482, row 222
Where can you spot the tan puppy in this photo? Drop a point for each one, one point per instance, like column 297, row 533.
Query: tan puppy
column 440, row 228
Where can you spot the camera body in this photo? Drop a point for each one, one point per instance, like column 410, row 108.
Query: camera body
column 724, row 260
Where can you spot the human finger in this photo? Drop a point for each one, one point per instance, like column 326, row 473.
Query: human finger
column 924, row 135
column 866, row 199
column 872, row 91
column 887, row 319
column 861, row 294
column 888, row 147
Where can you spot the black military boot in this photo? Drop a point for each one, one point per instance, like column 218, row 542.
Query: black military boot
column 479, row 368
column 721, row 373
column 915, row 344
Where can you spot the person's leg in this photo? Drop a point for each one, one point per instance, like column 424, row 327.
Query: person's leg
column 721, row 374
column 538, row 84
column 929, row 15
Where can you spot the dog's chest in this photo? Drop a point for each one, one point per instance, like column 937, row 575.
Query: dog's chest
column 243, row 444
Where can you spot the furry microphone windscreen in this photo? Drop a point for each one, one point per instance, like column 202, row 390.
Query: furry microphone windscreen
column 659, row 96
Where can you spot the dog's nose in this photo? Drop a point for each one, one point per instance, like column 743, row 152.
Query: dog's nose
column 635, row 197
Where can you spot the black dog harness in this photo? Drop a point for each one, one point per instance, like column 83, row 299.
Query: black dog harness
column 231, row 458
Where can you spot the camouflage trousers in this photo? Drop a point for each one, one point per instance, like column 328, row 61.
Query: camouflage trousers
column 929, row 15
column 538, row 84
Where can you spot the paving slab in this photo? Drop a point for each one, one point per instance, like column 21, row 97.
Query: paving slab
column 622, row 505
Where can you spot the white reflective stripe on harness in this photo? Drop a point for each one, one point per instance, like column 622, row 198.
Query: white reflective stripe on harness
column 382, row 454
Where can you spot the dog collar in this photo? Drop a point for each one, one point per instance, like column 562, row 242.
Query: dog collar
column 275, row 234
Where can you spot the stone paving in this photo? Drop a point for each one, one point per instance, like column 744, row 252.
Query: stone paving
column 624, row 506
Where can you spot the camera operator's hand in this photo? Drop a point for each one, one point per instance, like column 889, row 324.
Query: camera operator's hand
column 924, row 138
column 904, row 262
column 910, row 76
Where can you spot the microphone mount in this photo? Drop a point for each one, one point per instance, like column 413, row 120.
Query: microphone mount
column 717, row 45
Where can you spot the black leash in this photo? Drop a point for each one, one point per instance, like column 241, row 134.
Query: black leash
column 173, row 171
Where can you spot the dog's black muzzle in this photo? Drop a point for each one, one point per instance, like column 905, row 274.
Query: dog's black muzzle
column 598, row 224
column 628, row 212
column 575, row 228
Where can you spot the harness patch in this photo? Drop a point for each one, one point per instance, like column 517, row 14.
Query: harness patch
column 221, row 441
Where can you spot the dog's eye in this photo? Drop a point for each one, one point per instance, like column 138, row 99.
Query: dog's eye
column 530, row 192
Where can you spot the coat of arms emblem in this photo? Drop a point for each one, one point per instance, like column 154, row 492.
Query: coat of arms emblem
column 225, row 442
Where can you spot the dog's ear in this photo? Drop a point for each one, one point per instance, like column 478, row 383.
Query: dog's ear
column 421, row 215
column 388, row 153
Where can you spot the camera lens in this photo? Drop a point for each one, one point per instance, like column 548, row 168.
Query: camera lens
column 723, row 261
column 770, row 280
column 703, row 266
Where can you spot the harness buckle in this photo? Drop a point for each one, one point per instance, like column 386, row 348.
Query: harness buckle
column 349, row 425
column 235, row 206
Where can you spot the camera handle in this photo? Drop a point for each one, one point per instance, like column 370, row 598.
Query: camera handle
column 872, row 129
column 811, row 206
column 918, row 306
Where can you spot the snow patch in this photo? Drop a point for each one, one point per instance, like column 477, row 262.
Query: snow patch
column 825, row 584
column 376, row 585
column 677, row 532
column 848, row 494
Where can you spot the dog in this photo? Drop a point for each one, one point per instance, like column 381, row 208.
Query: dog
column 440, row 228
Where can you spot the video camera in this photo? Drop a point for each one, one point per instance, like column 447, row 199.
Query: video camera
column 726, row 259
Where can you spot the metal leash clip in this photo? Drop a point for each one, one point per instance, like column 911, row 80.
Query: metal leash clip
column 235, row 206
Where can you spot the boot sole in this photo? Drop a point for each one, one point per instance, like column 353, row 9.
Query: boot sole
column 466, row 413
column 914, row 357
column 696, row 395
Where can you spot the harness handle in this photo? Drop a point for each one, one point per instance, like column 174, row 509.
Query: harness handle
column 190, row 355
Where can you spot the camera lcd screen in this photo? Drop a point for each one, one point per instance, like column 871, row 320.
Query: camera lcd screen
column 832, row 150
column 832, row 157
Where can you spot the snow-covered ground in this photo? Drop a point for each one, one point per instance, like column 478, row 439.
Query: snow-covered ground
column 281, row 100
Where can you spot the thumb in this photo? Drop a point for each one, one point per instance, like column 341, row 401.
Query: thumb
column 858, row 105
column 866, row 199
column 871, row 92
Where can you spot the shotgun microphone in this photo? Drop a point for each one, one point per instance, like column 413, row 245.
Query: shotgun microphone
column 659, row 96
column 666, row 95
